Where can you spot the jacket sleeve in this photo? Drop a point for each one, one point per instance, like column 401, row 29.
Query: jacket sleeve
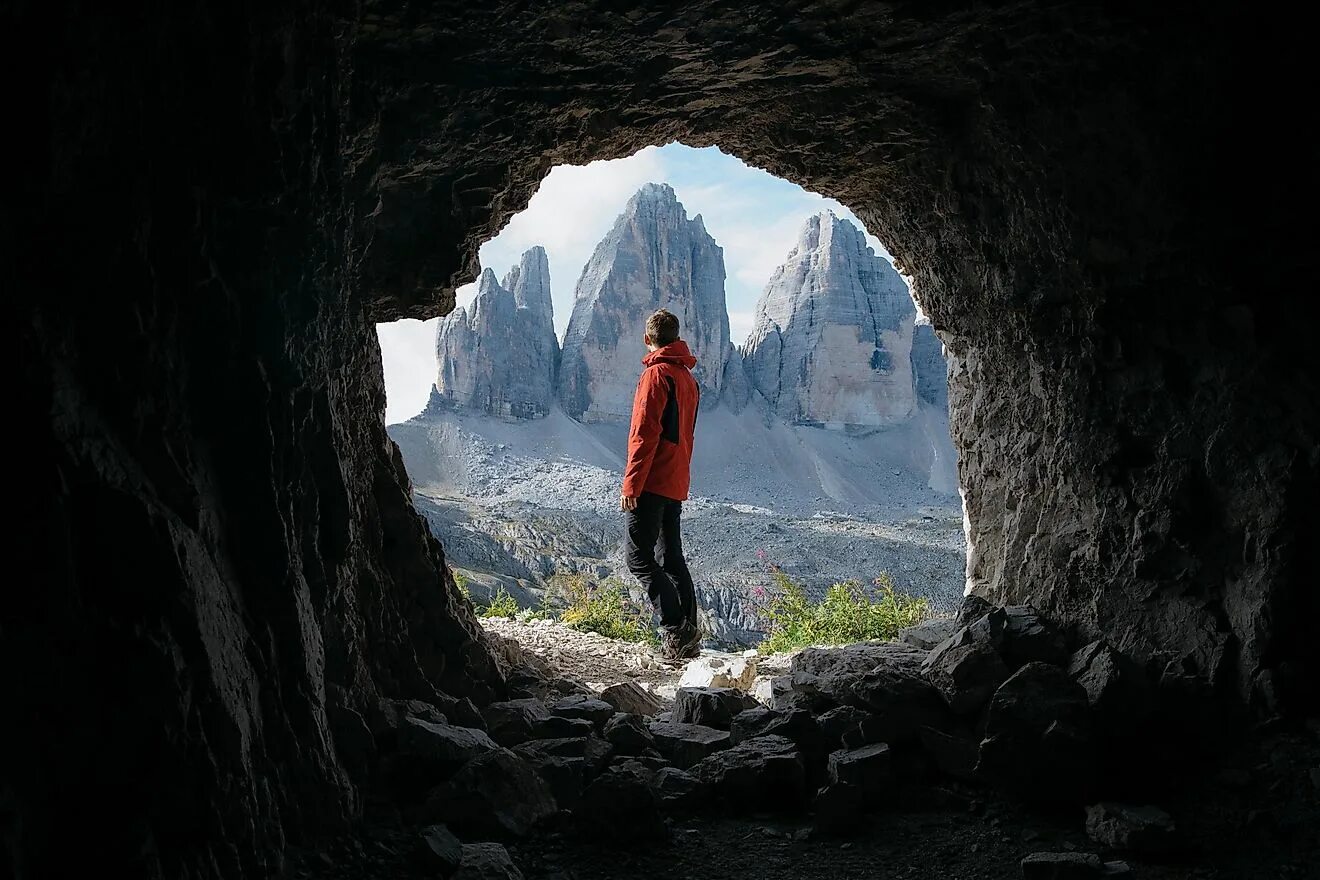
column 644, row 435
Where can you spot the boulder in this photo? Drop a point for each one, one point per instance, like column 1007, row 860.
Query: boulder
column 789, row 692
column 559, row 727
column 836, row 723
column 565, row 776
column 620, row 808
column 859, row 659
column 389, row 716
column 928, row 634
column 868, row 768
column 1021, row 636
column 901, row 701
column 460, row 710
column 441, row 749
column 1037, row 735
column 972, row 609
column 579, row 706
column 437, row 851
column 510, row 722
column 629, row 697
column 966, row 670
column 1062, row 866
column 720, row 672
column 687, row 744
column 797, row 725
column 487, row 861
column 678, row 789
column 840, row 810
column 952, row 755
column 629, row 734
column 765, row 770
column 1140, row 829
column 498, row 794
column 710, row 706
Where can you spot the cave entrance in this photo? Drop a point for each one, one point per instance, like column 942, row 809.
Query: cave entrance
column 823, row 453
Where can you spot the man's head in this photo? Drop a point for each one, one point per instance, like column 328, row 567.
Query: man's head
column 661, row 329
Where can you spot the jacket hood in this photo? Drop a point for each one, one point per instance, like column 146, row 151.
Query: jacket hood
column 676, row 352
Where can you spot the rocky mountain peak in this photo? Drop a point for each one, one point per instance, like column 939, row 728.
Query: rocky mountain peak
column 832, row 340
column 654, row 257
column 499, row 356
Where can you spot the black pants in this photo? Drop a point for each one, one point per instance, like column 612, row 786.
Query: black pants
column 654, row 526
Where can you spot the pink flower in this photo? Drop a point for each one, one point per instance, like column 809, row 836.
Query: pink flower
column 758, row 592
column 760, row 554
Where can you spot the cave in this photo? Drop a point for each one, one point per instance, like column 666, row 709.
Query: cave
column 220, row 570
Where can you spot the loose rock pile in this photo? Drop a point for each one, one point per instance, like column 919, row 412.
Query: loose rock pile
column 1001, row 700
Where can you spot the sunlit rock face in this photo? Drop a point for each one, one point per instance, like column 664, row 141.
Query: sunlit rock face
column 653, row 258
column 498, row 355
column 832, row 341
column 930, row 371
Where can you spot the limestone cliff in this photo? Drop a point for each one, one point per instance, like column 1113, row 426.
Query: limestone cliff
column 499, row 354
column 833, row 335
column 654, row 257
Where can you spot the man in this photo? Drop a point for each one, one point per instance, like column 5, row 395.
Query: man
column 655, row 482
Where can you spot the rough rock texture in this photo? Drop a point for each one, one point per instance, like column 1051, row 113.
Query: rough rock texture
column 930, row 371
column 832, row 343
column 218, row 201
column 653, row 258
column 499, row 355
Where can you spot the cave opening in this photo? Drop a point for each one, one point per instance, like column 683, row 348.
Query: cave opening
column 822, row 454
column 229, row 629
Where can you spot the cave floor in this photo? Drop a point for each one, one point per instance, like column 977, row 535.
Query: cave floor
column 1256, row 815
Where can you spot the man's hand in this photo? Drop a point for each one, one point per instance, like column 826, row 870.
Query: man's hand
column 627, row 503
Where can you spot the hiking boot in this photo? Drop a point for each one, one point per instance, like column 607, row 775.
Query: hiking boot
column 690, row 641
column 671, row 643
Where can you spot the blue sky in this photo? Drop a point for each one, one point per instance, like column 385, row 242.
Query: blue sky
column 753, row 215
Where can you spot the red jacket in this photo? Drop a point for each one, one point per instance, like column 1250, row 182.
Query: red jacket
column 664, row 418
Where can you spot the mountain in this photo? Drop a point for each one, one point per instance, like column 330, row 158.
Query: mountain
column 832, row 341
column 654, row 257
column 499, row 355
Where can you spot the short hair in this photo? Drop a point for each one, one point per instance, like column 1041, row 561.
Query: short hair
column 662, row 327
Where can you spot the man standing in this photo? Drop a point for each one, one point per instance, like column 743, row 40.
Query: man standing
column 655, row 481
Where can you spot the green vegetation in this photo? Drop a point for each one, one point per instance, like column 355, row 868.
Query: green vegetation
column 848, row 613
column 603, row 608
column 500, row 605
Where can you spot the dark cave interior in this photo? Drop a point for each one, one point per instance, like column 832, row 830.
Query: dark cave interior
column 222, row 570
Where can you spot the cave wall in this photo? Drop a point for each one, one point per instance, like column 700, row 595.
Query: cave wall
column 217, row 201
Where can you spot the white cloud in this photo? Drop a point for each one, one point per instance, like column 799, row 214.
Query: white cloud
column 407, row 349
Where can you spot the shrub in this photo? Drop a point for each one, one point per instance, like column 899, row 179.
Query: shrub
column 847, row 613
column 461, row 581
column 500, row 605
column 603, row 608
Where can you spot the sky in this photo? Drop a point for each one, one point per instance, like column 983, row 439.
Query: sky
column 753, row 215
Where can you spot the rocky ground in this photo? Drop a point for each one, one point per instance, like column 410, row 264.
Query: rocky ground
column 984, row 746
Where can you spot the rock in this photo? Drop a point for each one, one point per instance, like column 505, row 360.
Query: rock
column 966, row 670
column 654, row 257
column 1061, row 866
column 629, row 697
column 972, row 609
column 726, row 672
column 710, row 706
column 1037, row 735
column 930, row 369
column 511, row 722
column 621, row 809
column 438, row 851
column 838, row 722
column 867, row 768
column 498, row 794
column 797, row 725
column 854, row 660
column 565, row 776
column 597, row 711
column 1140, row 829
column 790, row 692
column 678, row 789
column 559, row 727
column 687, row 744
column 901, row 701
column 765, row 770
column 442, row 748
column 389, row 716
column 498, row 355
column 832, row 341
column 1021, row 636
column 840, row 810
column 461, row 711
column 487, row 861
column 928, row 634
column 951, row 754
column 629, row 734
